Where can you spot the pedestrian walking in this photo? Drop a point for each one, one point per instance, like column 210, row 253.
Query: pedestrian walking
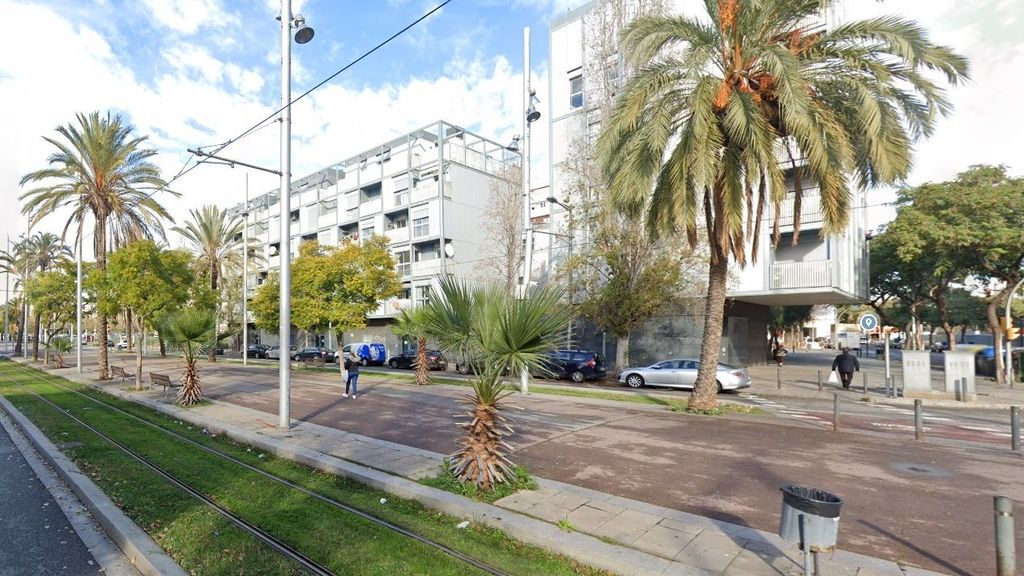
column 846, row 364
column 352, row 381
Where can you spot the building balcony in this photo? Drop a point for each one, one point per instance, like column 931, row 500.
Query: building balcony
column 813, row 274
column 810, row 210
column 397, row 235
column 391, row 308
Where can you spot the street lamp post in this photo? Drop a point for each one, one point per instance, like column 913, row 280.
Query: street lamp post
column 78, row 304
column 1009, row 320
column 530, row 115
column 245, row 275
column 302, row 35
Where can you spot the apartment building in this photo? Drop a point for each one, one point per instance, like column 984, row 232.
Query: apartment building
column 586, row 70
column 426, row 191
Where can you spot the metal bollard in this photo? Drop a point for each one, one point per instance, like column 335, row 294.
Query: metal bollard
column 819, row 380
column 778, row 376
column 1006, row 555
column 835, row 412
column 1015, row 428
column 918, row 420
column 865, row 379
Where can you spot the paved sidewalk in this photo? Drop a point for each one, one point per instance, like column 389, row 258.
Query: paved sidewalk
column 675, row 542
column 800, row 380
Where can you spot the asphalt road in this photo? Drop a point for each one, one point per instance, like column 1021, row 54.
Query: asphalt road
column 35, row 535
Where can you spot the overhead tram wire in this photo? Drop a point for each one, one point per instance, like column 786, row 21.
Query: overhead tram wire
column 220, row 147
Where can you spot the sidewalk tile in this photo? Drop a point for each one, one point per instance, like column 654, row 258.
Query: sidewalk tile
column 662, row 541
column 520, row 501
column 546, row 511
column 627, row 526
column 756, row 562
column 566, row 500
column 711, row 551
column 684, row 527
column 606, row 506
column 680, row 569
column 588, row 519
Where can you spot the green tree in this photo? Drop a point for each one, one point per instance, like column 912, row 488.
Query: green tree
column 190, row 331
column 52, row 296
column 100, row 169
column 335, row 286
column 720, row 98
column 975, row 221
column 508, row 335
column 36, row 253
column 148, row 280
column 788, row 318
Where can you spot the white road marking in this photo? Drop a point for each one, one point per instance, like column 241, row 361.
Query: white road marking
column 978, row 428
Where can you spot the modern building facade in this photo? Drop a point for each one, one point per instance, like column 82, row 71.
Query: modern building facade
column 586, row 70
column 426, row 191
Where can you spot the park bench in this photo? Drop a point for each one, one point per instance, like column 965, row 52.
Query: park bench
column 118, row 372
column 315, row 362
column 165, row 381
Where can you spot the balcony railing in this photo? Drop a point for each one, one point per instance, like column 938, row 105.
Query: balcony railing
column 812, row 274
column 810, row 208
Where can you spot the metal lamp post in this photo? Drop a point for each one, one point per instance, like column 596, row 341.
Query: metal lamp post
column 1009, row 320
column 245, row 276
column 78, row 305
column 530, row 115
column 303, row 35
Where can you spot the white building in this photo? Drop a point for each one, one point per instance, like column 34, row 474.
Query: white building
column 426, row 191
column 585, row 72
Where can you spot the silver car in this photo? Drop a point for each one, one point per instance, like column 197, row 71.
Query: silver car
column 683, row 374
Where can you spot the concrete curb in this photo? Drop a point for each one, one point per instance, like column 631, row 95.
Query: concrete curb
column 147, row 557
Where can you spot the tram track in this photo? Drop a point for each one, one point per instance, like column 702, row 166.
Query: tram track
column 288, row 551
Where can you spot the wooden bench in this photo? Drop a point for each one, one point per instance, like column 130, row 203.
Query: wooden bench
column 165, row 381
column 117, row 371
column 315, row 362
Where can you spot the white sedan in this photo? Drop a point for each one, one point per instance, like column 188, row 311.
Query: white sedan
column 683, row 374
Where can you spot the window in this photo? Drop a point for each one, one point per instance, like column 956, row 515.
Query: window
column 576, row 92
column 425, row 253
column 422, row 295
column 402, row 265
column 366, row 232
column 421, row 227
column 398, row 222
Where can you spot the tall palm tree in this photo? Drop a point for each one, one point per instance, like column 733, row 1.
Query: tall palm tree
column 508, row 335
column 715, row 104
column 218, row 243
column 40, row 253
column 189, row 330
column 98, row 169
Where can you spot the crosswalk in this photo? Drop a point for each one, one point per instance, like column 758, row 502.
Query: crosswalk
column 886, row 418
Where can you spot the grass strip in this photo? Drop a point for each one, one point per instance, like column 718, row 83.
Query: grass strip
column 447, row 480
column 478, row 541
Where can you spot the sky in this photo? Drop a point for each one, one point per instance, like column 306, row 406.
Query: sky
column 188, row 73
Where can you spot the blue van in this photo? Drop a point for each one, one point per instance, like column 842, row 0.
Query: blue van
column 370, row 353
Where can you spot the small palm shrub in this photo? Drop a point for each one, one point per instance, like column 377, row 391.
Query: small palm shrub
column 190, row 331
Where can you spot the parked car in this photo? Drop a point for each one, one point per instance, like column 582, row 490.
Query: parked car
column 576, row 365
column 257, row 351
column 122, row 345
column 682, row 373
column 274, row 352
column 314, row 352
column 435, row 360
column 368, row 352
column 941, row 346
column 110, row 343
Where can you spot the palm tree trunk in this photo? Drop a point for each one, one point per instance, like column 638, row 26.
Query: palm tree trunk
column 100, row 247
column 130, row 326
column 422, row 370
column 997, row 335
column 705, row 391
column 216, row 306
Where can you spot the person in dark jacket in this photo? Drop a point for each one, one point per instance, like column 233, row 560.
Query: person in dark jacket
column 352, row 381
column 846, row 364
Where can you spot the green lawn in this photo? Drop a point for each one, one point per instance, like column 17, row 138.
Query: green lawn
column 204, row 543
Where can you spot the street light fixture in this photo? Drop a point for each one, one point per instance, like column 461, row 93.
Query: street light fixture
column 514, row 145
column 303, row 35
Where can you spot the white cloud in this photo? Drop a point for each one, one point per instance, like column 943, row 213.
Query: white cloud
column 187, row 16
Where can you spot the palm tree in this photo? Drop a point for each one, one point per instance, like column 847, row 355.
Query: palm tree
column 189, row 330
column 411, row 324
column 508, row 335
column 218, row 242
column 100, row 169
column 61, row 346
column 716, row 103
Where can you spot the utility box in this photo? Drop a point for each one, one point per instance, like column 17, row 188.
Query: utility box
column 810, row 518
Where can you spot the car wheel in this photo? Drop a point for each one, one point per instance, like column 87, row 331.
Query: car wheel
column 634, row 380
column 577, row 376
column 720, row 389
column 460, row 368
column 393, row 364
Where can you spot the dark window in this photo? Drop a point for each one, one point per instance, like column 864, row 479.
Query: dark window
column 576, row 92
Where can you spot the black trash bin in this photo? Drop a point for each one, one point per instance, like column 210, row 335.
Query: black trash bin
column 819, row 511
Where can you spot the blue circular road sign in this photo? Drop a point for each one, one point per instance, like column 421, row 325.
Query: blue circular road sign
column 868, row 322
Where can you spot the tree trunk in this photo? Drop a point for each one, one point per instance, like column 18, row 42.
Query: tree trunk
column 163, row 344
column 422, row 370
column 940, row 304
column 35, row 338
column 622, row 352
column 705, row 391
column 131, row 330
column 216, row 306
column 997, row 337
column 100, row 247
column 138, row 354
